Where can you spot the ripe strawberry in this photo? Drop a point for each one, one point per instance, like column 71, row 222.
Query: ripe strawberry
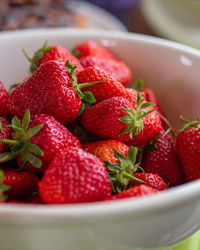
column 188, row 149
column 74, row 176
column 119, row 70
column 117, row 119
column 52, row 53
column 5, row 133
column 22, row 184
column 138, row 191
column 152, row 180
column 90, row 48
column 3, row 188
column 104, row 150
column 3, row 100
column 50, row 90
column 36, row 143
column 163, row 161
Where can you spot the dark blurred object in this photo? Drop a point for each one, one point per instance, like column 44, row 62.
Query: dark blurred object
column 120, row 8
column 23, row 14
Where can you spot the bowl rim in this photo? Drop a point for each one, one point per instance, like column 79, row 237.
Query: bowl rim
column 133, row 206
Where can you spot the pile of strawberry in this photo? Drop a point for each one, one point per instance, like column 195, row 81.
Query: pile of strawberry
column 72, row 133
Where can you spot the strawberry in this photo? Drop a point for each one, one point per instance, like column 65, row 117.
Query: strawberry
column 22, row 184
column 119, row 70
column 90, row 48
column 74, row 176
column 3, row 100
column 37, row 139
column 104, row 150
column 119, row 160
column 138, row 191
column 5, row 133
column 188, row 149
column 152, row 180
column 109, row 88
column 163, row 161
column 52, row 53
column 117, row 119
column 50, row 90
column 3, row 187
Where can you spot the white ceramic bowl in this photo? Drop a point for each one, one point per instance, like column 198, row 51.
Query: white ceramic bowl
column 172, row 70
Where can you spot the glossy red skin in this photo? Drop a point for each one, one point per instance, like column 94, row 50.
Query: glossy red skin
column 3, row 100
column 104, row 150
column 119, row 70
column 150, row 96
column 53, row 138
column 91, row 48
column 152, row 180
column 22, row 184
column 6, row 133
column 137, row 191
column 164, row 161
column 188, row 149
column 102, row 119
column 74, row 176
column 105, row 90
column 60, row 54
column 48, row 90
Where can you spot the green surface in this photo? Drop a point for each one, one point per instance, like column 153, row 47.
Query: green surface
column 192, row 243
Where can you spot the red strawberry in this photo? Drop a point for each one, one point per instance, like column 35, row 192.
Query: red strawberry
column 163, row 161
column 90, row 48
column 3, row 100
column 188, row 149
column 3, row 188
column 5, row 133
column 152, row 180
column 52, row 53
column 117, row 119
column 36, row 143
column 138, row 191
column 104, row 150
column 74, row 176
column 22, row 184
column 119, row 70
column 109, row 88
column 50, row 90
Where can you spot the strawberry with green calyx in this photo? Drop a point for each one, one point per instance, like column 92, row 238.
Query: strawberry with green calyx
column 21, row 144
column 188, row 149
column 121, row 173
column 134, row 118
column 3, row 187
column 52, row 90
column 36, row 140
column 50, row 53
column 103, row 119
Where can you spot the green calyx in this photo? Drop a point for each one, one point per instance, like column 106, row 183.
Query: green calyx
column 86, row 96
column 36, row 57
column 1, row 127
column 21, row 144
column 134, row 119
column 138, row 85
column 121, row 173
column 3, row 188
column 189, row 124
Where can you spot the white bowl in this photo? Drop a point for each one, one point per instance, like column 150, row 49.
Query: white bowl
column 172, row 70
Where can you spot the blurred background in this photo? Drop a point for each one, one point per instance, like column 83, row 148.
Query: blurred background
column 177, row 20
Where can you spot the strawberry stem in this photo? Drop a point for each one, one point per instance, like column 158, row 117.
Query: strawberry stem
column 133, row 178
column 88, row 84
